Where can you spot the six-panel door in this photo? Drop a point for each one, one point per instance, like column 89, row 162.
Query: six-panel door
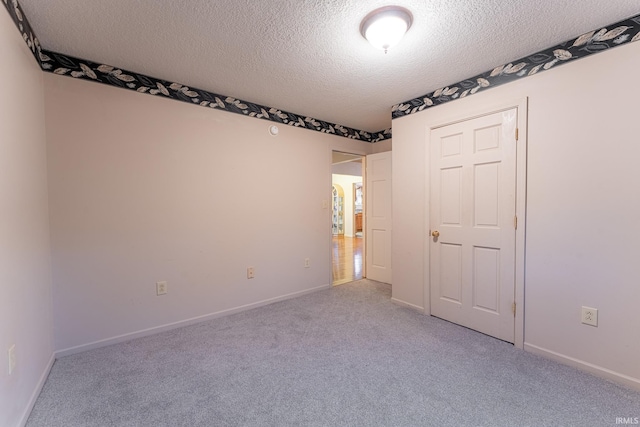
column 473, row 190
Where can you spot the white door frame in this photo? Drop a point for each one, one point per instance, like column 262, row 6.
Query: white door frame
column 521, row 186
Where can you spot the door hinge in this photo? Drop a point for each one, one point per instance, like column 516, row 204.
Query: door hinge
column 515, row 222
column 517, row 134
column 513, row 308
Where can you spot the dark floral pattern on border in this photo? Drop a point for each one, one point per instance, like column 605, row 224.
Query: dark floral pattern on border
column 82, row 69
column 21, row 21
column 589, row 43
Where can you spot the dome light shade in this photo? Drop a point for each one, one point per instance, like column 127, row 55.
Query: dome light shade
column 385, row 27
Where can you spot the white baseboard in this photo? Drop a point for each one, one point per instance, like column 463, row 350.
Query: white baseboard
column 408, row 305
column 182, row 323
column 633, row 383
column 37, row 390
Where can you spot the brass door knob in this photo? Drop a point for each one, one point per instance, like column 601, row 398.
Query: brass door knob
column 435, row 234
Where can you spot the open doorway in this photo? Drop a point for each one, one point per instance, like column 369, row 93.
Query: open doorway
column 347, row 228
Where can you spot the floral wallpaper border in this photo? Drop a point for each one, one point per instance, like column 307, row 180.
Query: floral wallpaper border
column 595, row 41
column 19, row 18
column 65, row 65
column 107, row 74
column 617, row 34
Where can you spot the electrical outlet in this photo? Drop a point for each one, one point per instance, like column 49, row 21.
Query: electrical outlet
column 251, row 273
column 12, row 359
column 307, row 263
column 590, row 316
column 161, row 288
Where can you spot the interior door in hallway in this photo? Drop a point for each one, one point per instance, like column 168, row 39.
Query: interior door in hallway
column 472, row 223
column 378, row 217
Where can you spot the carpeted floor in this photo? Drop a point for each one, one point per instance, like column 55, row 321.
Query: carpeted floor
column 346, row 356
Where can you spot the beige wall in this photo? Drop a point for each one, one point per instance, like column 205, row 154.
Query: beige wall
column 382, row 146
column 25, row 271
column 582, row 210
column 144, row 189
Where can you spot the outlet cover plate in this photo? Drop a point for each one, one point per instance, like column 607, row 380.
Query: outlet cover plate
column 590, row 316
column 161, row 288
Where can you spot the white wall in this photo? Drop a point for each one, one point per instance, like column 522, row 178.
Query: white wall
column 25, row 269
column 583, row 208
column 144, row 189
column 382, row 146
column 346, row 182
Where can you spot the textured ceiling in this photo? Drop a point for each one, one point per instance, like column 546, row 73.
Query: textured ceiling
column 308, row 56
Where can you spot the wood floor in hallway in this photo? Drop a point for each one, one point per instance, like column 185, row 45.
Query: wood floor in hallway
column 347, row 261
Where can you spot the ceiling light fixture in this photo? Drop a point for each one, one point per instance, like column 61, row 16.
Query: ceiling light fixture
column 385, row 27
